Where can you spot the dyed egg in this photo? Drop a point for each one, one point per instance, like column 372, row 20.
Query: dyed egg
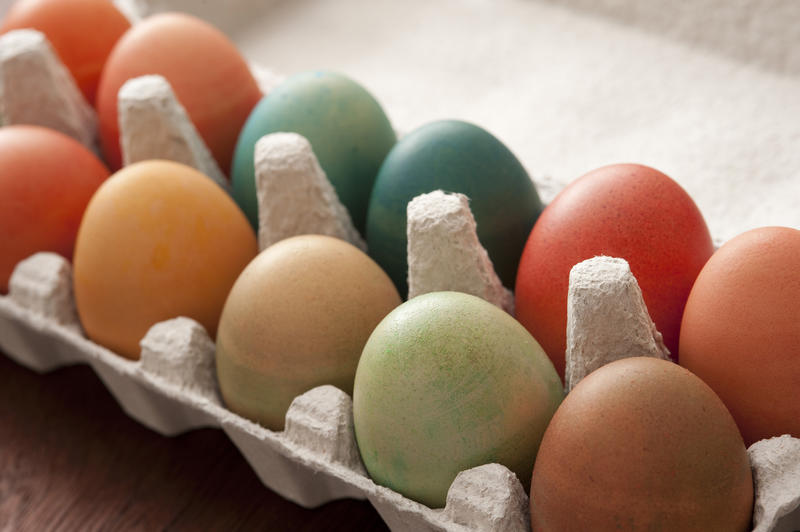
column 741, row 330
column 623, row 210
column 347, row 129
column 641, row 444
column 82, row 32
column 209, row 76
column 298, row 317
column 158, row 240
column 448, row 382
column 46, row 181
column 455, row 157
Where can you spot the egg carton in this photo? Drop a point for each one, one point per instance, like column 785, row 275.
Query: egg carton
column 173, row 387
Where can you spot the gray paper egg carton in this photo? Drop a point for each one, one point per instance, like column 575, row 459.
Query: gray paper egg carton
column 173, row 389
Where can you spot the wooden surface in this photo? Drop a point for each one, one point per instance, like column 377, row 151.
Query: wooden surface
column 70, row 459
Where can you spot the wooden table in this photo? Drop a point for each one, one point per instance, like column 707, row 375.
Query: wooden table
column 70, row 459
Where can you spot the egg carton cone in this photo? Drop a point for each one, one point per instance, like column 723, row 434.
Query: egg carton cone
column 444, row 252
column 265, row 78
column 776, row 476
column 154, row 125
column 134, row 10
column 172, row 389
column 37, row 89
column 607, row 319
column 294, row 195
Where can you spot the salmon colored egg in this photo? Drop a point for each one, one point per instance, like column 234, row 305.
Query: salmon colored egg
column 624, row 210
column 159, row 240
column 208, row 74
column 741, row 330
column 82, row 32
column 46, row 180
column 642, row 444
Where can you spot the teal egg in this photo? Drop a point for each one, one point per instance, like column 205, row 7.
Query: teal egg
column 460, row 157
column 447, row 382
column 347, row 129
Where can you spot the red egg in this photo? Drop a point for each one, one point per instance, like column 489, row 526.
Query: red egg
column 209, row 76
column 741, row 330
column 82, row 32
column 623, row 210
column 46, row 181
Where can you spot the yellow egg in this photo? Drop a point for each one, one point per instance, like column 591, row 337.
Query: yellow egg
column 158, row 240
column 298, row 317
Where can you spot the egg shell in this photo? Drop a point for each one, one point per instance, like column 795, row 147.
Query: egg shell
column 208, row 74
column 46, row 181
column 346, row 126
column 448, row 382
column 298, row 317
column 627, row 211
column 453, row 156
column 82, row 32
column 642, row 444
column 741, row 330
column 158, row 240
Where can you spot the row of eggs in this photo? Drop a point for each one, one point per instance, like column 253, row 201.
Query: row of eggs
column 444, row 381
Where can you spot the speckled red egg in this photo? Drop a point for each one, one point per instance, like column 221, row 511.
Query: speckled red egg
column 741, row 330
column 623, row 210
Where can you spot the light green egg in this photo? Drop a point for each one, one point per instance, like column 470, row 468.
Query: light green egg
column 447, row 382
column 347, row 129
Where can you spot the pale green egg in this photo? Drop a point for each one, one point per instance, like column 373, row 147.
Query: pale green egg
column 447, row 382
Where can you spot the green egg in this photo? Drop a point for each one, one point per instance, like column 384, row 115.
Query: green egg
column 347, row 129
column 447, row 382
column 456, row 157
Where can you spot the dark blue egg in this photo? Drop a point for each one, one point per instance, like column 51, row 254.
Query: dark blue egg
column 460, row 157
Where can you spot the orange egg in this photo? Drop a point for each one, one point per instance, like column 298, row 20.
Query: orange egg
column 209, row 76
column 741, row 330
column 46, row 180
column 82, row 32
column 159, row 240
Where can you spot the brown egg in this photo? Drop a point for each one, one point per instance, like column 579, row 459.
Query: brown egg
column 642, row 444
column 741, row 330
column 298, row 317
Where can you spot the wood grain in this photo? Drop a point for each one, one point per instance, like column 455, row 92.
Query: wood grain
column 70, row 459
